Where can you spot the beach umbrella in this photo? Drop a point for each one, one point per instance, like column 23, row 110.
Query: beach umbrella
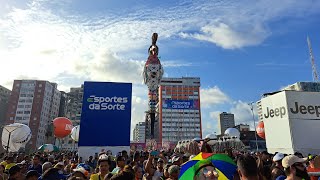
column 223, row 164
column 48, row 148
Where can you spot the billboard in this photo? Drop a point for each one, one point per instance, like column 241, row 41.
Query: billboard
column 180, row 104
column 106, row 116
column 291, row 120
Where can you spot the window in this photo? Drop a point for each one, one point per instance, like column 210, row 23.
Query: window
column 27, row 112
column 39, row 90
column 11, row 118
column 40, row 85
column 19, row 112
column 20, row 106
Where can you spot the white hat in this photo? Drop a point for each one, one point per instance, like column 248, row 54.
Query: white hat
column 278, row 157
column 291, row 159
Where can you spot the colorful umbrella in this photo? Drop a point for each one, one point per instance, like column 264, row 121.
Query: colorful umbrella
column 223, row 164
column 48, row 148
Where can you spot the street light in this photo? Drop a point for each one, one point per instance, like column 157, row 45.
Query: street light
column 254, row 123
column 10, row 129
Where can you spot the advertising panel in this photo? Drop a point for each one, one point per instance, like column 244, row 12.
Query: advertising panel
column 180, row 104
column 106, row 116
column 303, row 105
column 276, row 123
column 292, row 122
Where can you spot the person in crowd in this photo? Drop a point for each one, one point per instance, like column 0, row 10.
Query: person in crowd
column 36, row 164
column 90, row 162
column 53, row 174
column 154, row 172
column 103, row 164
column 80, row 173
column 174, row 171
column 9, row 163
column 247, row 167
column 264, row 167
column 313, row 159
column 2, row 174
column 126, row 174
column 120, row 165
column 108, row 176
column 15, row 173
column 32, row 175
column 294, row 168
column 277, row 169
column 137, row 172
column 177, row 160
column 46, row 166
column 51, row 159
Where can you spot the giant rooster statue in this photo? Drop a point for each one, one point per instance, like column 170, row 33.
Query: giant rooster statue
column 152, row 74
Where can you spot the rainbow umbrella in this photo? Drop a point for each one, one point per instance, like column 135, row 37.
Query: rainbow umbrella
column 224, row 165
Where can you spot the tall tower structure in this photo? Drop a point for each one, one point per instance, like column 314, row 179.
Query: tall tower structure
column 152, row 75
column 314, row 69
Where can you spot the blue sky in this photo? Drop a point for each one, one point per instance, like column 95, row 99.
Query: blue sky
column 239, row 49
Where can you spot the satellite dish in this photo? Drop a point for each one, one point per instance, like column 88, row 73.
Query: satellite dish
column 232, row 132
column 211, row 136
column 20, row 135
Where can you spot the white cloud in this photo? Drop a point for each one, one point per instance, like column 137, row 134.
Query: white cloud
column 243, row 114
column 229, row 38
column 212, row 96
column 215, row 115
column 139, row 106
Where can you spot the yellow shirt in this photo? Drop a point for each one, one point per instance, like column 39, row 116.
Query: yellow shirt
column 96, row 177
column 4, row 163
column 8, row 166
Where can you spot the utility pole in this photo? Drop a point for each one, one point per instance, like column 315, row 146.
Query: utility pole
column 254, row 123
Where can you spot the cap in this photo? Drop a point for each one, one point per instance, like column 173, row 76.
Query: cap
column 81, row 170
column 278, row 157
column 291, row 159
column 14, row 169
column 160, row 160
column 103, row 157
column 32, row 173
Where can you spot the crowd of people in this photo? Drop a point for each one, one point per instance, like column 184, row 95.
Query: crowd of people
column 153, row 165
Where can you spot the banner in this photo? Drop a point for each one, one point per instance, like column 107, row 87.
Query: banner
column 180, row 104
column 106, row 115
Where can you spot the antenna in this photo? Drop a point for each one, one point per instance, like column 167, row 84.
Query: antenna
column 314, row 70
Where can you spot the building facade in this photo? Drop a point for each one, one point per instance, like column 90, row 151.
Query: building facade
column 226, row 120
column 72, row 109
column 242, row 127
column 4, row 101
column 139, row 132
column 35, row 104
column 178, row 114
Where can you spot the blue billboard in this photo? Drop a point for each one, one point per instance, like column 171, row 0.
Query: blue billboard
column 106, row 114
column 180, row 104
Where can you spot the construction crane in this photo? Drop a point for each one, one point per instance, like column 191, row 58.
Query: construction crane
column 314, row 69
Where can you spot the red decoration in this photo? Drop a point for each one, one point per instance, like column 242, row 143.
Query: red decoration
column 62, row 127
column 260, row 130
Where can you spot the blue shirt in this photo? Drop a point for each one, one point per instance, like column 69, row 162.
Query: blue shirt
column 37, row 168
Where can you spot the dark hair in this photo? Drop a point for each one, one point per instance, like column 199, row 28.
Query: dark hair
column 247, row 165
column 37, row 155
